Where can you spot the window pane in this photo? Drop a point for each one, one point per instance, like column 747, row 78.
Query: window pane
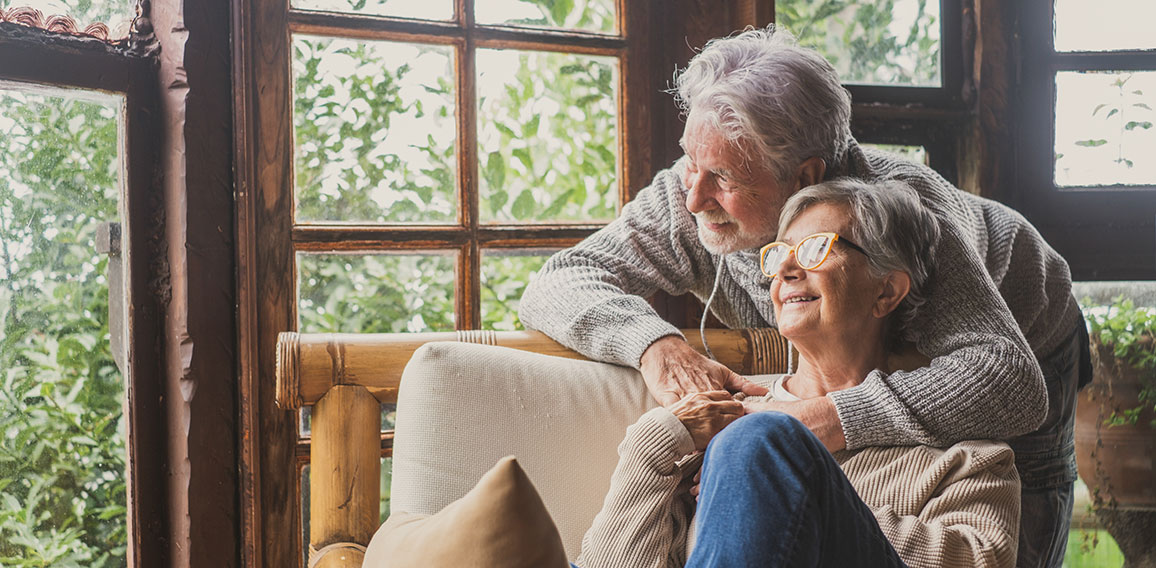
column 887, row 42
column 547, row 136
column 915, row 154
column 1108, row 25
column 423, row 10
column 505, row 274
column 62, row 427
column 1104, row 133
column 587, row 15
column 374, row 124
column 116, row 14
column 375, row 293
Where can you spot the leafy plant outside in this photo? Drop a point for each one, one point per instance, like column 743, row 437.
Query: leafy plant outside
column 1128, row 331
column 62, row 433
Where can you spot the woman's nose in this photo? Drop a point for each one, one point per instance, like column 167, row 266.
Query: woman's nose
column 789, row 268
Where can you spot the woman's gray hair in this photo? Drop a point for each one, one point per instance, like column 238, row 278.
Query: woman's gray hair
column 890, row 223
column 759, row 86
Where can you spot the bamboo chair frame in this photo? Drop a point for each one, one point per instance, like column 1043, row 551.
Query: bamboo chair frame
column 346, row 377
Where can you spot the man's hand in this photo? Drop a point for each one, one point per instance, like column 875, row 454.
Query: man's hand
column 672, row 369
column 705, row 414
column 817, row 414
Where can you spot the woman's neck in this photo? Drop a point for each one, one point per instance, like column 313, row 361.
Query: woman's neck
column 835, row 366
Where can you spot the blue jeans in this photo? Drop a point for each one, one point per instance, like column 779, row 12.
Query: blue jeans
column 1046, row 458
column 772, row 495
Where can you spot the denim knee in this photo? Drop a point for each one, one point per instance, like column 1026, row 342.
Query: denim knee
column 772, row 432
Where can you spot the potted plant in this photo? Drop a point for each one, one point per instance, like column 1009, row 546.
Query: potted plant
column 1116, row 426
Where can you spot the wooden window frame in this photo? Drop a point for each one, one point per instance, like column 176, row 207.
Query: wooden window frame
column 1105, row 233
column 268, row 240
column 37, row 57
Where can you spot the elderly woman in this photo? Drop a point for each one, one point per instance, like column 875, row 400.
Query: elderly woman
column 845, row 275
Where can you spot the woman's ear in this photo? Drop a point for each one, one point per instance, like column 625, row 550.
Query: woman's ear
column 895, row 287
column 810, row 172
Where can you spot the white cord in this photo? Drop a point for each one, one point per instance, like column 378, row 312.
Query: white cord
column 706, row 310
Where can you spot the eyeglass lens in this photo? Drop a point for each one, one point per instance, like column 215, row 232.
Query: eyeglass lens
column 812, row 250
column 808, row 253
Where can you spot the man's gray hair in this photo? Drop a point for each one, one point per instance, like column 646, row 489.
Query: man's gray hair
column 759, row 86
column 890, row 223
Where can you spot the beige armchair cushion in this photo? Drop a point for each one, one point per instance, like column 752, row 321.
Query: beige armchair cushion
column 500, row 522
column 462, row 407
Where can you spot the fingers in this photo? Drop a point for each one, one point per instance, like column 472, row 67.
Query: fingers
column 739, row 383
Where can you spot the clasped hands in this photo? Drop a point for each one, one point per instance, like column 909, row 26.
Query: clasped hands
column 698, row 391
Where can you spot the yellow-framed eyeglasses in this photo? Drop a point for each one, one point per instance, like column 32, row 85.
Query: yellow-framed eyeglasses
column 810, row 252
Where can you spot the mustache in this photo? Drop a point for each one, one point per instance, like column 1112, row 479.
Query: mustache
column 716, row 216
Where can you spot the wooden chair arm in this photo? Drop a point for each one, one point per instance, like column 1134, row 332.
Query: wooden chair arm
column 309, row 364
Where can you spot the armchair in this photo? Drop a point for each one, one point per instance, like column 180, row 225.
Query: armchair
column 466, row 399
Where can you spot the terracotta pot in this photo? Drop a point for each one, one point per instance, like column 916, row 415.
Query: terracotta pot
column 1118, row 463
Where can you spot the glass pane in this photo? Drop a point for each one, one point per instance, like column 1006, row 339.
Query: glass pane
column 505, row 274
column 885, row 42
column 374, row 124
column 423, row 10
column 386, row 480
column 1107, row 25
column 62, row 428
column 1104, row 133
column 547, row 136
column 917, row 154
column 586, row 15
column 375, row 293
column 305, row 419
column 117, row 15
column 305, row 515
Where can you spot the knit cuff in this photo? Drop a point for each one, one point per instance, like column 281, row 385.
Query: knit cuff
column 639, row 333
column 683, row 442
column 865, row 414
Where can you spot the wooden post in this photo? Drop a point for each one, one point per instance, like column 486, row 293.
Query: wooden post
column 345, row 474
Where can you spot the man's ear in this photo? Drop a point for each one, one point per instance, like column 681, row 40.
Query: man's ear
column 810, row 172
column 895, row 287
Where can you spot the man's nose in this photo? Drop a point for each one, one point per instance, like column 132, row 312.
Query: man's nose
column 700, row 193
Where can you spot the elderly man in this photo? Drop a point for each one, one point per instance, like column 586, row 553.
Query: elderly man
column 766, row 118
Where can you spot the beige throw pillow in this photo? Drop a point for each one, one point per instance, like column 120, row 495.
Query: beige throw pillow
column 500, row 522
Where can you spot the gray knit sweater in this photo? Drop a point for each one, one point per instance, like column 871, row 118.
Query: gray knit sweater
column 993, row 277
column 958, row 506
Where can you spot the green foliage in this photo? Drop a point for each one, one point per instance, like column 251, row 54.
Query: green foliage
column 1129, row 331
column 1123, row 110
column 374, row 132
column 858, row 38
column 375, row 293
column 62, row 437
column 547, row 137
column 1092, row 549
column 592, row 15
column 504, row 278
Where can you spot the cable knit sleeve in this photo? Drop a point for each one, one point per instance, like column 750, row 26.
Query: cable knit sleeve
column 644, row 519
column 592, row 297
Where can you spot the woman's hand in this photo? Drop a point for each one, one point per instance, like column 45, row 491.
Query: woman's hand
column 817, row 413
column 705, row 414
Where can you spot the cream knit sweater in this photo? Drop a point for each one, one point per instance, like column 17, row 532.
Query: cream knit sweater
column 958, row 506
column 998, row 295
